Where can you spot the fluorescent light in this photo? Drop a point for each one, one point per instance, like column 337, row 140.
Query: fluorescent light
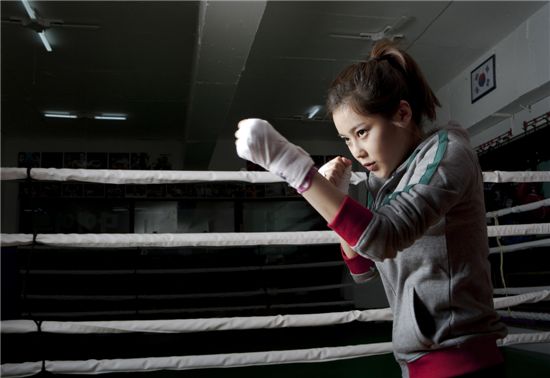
column 29, row 10
column 45, row 41
column 111, row 117
column 32, row 15
column 59, row 115
column 313, row 111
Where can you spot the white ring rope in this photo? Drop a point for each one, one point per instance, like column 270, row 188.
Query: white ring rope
column 525, row 315
column 510, row 176
column 24, row 369
column 221, row 239
column 109, row 176
column 179, row 311
column 515, row 300
column 200, row 324
column 228, row 360
column 519, row 290
column 519, row 229
column 209, row 361
column 525, row 338
column 234, row 323
column 520, row 246
column 519, row 209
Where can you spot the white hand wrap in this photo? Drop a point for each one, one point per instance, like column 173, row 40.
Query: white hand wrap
column 258, row 142
column 343, row 185
column 346, row 178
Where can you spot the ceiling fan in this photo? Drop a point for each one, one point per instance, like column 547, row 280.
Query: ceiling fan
column 387, row 32
column 40, row 25
column 313, row 114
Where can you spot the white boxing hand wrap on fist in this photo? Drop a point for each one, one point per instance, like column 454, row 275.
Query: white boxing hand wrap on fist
column 338, row 172
column 258, row 142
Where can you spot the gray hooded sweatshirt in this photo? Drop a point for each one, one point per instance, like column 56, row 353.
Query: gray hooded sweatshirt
column 427, row 233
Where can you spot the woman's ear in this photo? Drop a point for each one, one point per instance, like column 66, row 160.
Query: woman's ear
column 403, row 115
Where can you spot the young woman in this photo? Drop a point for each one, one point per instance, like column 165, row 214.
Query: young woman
column 424, row 225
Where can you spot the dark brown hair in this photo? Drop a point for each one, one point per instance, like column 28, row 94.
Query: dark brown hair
column 377, row 85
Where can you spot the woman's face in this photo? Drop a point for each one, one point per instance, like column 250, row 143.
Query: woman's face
column 380, row 145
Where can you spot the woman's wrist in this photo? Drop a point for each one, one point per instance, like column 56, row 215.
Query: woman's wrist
column 357, row 264
column 346, row 249
column 308, row 180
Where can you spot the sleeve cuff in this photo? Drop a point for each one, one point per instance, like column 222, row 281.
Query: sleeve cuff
column 357, row 264
column 351, row 220
column 365, row 277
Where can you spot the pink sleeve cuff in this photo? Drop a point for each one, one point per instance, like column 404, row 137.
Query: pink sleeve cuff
column 357, row 264
column 351, row 220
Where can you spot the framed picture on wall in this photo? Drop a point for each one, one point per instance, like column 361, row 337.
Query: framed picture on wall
column 483, row 79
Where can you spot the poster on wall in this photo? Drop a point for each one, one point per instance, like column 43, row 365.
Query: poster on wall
column 483, row 79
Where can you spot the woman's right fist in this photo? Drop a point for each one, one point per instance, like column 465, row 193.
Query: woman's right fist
column 338, row 172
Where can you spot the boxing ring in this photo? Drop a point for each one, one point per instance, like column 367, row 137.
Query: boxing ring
column 512, row 296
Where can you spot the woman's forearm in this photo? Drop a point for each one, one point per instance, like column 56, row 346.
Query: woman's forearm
column 327, row 199
column 324, row 197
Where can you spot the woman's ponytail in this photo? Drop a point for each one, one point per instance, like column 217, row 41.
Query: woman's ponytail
column 377, row 85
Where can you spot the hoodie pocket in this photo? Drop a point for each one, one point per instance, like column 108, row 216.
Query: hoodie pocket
column 411, row 333
column 422, row 320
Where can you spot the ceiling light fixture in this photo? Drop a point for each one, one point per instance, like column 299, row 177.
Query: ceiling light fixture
column 387, row 32
column 29, row 9
column 111, row 117
column 45, row 41
column 313, row 111
column 32, row 15
column 59, row 115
